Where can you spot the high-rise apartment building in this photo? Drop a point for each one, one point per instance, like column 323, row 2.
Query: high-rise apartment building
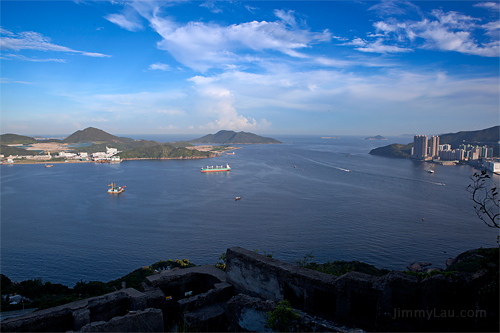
column 434, row 147
column 419, row 146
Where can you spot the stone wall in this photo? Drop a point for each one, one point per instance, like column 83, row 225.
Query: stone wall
column 396, row 301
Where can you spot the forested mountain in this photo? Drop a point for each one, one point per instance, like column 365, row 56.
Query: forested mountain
column 231, row 137
column 91, row 134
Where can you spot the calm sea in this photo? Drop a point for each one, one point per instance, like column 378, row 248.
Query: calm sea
column 61, row 225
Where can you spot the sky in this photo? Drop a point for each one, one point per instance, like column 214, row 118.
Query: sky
column 266, row 67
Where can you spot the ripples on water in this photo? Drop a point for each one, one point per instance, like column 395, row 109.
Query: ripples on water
column 299, row 197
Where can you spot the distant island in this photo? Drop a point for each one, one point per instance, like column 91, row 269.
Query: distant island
column 487, row 136
column 231, row 137
column 377, row 137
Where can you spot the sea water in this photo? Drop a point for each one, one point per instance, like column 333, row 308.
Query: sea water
column 327, row 197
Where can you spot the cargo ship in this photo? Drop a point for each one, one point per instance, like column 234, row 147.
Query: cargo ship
column 216, row 168
column 116, row 189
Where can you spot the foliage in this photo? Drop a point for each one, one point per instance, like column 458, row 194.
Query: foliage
column 221, row 264
column 283, row 318
column 7, row 151
column 486, row 199
column 394, row 150
column 340, row 267
column 162, row 151
column 269, row 255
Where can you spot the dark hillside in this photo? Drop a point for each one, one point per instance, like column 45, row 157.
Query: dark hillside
column 10, row 139
column 489, row 136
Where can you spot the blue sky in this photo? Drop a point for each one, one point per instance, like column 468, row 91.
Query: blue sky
column 267, row 67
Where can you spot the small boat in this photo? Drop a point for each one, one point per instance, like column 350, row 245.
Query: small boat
column 49, row 165
column 237, row 198
column 430, row 171
column 230, row 153
column 216, row 168
column 116, row 189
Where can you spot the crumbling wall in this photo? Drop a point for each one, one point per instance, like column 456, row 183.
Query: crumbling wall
column 396, row 301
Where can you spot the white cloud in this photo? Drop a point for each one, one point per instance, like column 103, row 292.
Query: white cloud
column 201, row 46
column 124, row 22
column 30, row 40
column 159, row 66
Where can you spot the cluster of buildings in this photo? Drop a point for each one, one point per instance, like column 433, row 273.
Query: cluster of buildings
column 108, row 156
column 429, row 149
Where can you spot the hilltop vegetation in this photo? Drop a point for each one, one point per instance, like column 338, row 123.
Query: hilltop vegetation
column 12, row 139
column 489, row 136
column 231, row 137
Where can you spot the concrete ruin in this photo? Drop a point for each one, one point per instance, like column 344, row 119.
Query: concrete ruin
column 205, row 298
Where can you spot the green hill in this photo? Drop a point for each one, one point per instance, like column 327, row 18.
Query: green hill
column 91, row 134
column 163, row 151
column 11, row 139
column 489, row 136
column 231, row 137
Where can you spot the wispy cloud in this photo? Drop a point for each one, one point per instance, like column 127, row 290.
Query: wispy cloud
column 124, row 22
column 210, row 4
column 438, row 30
column 30, row 40
column 159, row 66
column 494, row 6
column 10, row 56
column 7, row 80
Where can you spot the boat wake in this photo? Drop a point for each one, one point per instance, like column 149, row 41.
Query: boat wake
column 326, row 164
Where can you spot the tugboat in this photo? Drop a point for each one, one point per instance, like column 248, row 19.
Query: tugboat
column 116, row 189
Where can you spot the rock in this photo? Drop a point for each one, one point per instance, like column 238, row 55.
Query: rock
column 415, row 268
column 450, row 262
column 424, row 264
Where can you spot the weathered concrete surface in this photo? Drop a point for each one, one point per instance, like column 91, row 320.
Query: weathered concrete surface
column 149, row 320
column 222, row 292
column 211, row 318
column 73, row 316
column 268, row 278
column 248, row 314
